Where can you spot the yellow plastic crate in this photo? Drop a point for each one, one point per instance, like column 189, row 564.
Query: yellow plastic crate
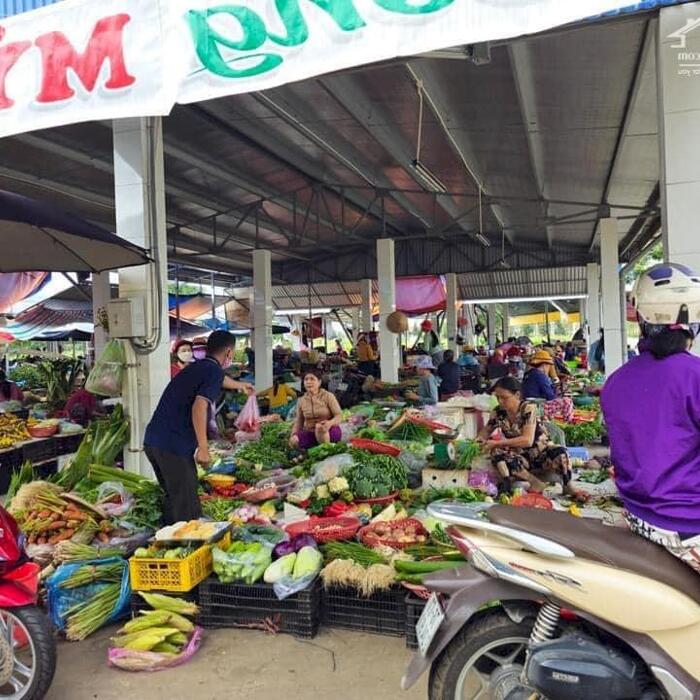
column 177, row 575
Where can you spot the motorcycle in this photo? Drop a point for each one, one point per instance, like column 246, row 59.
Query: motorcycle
column 27, row 643
column 554, row 607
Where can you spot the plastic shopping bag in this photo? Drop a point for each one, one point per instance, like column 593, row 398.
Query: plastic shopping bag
column 249, row 419
column 107, row 375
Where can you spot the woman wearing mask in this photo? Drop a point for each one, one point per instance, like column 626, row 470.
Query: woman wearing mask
column 318, row 416
column 183, row 354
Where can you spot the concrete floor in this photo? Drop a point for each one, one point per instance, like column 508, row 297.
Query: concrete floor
column 237, row 664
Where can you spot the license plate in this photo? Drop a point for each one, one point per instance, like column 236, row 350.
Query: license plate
column 342, row 386
column 429, row 623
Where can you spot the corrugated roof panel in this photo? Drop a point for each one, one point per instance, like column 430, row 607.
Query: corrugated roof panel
column 17, row 7
column 508, row 284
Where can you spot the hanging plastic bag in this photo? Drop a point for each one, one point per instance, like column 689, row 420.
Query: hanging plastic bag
column 249, row 419
column 288, row 586
column 107, row 375
column 114, row 499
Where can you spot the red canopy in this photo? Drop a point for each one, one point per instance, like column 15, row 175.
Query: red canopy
column 420, row 295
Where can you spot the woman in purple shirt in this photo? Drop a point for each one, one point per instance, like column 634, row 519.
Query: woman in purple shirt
column 652, row 411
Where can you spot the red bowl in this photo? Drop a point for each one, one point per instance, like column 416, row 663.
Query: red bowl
column 47, row 432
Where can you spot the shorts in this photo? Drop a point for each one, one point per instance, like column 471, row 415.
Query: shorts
column 307, row 438
column 685, row 548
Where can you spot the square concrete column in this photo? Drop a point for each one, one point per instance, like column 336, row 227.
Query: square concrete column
column 678, row 94
column 505, row 317
column 389, row 350
column 355, row 316
column 262, row 318
column 100, row 296
column 491, row 329
column 610, row 287
column 593, row 322
column 470, row 315
column 366, row 306
column 139, row 202
column 451, row 312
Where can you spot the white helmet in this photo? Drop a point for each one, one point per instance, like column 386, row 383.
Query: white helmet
column 668, row 294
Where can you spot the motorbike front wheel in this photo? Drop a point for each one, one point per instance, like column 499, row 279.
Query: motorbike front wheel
column 27, row 653
column 486, row 656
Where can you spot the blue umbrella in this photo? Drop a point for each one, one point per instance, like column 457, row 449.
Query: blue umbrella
column 36, row 235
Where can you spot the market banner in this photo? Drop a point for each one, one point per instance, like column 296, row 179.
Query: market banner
column 81, row 60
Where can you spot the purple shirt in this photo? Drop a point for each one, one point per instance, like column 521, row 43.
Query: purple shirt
column 652, row 412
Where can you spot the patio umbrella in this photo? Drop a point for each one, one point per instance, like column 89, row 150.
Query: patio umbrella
column 35, row 235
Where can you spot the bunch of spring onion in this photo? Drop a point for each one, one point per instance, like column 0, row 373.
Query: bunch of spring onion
column 89, row 573
column 85, row 618
column 73, row 551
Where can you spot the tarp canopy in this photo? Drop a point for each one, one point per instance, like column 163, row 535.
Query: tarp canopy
column 58, row 319
column 193, row 306
column 420, row 295
column 36, row 235
column 15, row 286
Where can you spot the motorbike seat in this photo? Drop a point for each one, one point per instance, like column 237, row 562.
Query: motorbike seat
column 614, row 546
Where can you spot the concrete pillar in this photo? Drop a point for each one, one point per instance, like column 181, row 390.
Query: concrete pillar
column 623, row 317
column 610, row 287
column 491, row 325
column 366, row 305
column 469, row 314
column 355, row 315
column 100, row 297
column 139, row 202
column 505, row 312
column 262, row 318
column 678, row 94
column 389, row 352
column 451, row 312
column 593, row 317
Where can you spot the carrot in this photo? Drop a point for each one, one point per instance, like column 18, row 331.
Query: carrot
column 65, row 535
column 75, row 515
column 44, row 514
column 103, row 537
column 45, row 526
column 73, row 523
column 58, row 524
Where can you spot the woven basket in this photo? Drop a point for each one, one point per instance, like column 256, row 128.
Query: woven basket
column 326, row 529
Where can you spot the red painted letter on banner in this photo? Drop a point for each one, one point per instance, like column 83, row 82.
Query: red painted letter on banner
column 58, row 55
column 9, row 55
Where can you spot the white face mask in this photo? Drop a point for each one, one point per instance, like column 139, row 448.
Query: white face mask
column 185, row 356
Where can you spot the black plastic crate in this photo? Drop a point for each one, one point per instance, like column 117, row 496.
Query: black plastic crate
column 46, row 469
column 39, row 450
column 256, row 607
column 381, row 613
column 414, row 609
column 10, row 461
column 68, row 444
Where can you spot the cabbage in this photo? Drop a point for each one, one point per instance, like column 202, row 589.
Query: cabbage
column 280, row 568
column 308, row 562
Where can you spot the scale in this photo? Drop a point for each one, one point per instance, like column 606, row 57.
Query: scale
column 444, row 454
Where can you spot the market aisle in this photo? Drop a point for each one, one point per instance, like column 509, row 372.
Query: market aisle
column 237, row 664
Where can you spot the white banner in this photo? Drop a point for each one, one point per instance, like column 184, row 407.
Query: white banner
column 81, row 60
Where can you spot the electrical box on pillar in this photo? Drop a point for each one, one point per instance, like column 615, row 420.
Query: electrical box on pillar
column 126, row 318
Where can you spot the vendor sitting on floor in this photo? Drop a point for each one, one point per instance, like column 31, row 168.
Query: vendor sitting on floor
column 428, row 384
column 280, row 396
column 536, row 382
column 522, row 449
column 318, row 416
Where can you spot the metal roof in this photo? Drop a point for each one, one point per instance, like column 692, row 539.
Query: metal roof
column 531, row 148
column 17, row 7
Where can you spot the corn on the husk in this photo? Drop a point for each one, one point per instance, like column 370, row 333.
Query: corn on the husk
column 166, row 648
column 124, row 640
column 179, row 639
column 156, row 618
column 165, row 602
column 144, row 642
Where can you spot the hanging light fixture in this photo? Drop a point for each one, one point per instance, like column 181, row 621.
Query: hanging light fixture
column 426, row 176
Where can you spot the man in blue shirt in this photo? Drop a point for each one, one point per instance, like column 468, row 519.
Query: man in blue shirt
column 176, row 437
